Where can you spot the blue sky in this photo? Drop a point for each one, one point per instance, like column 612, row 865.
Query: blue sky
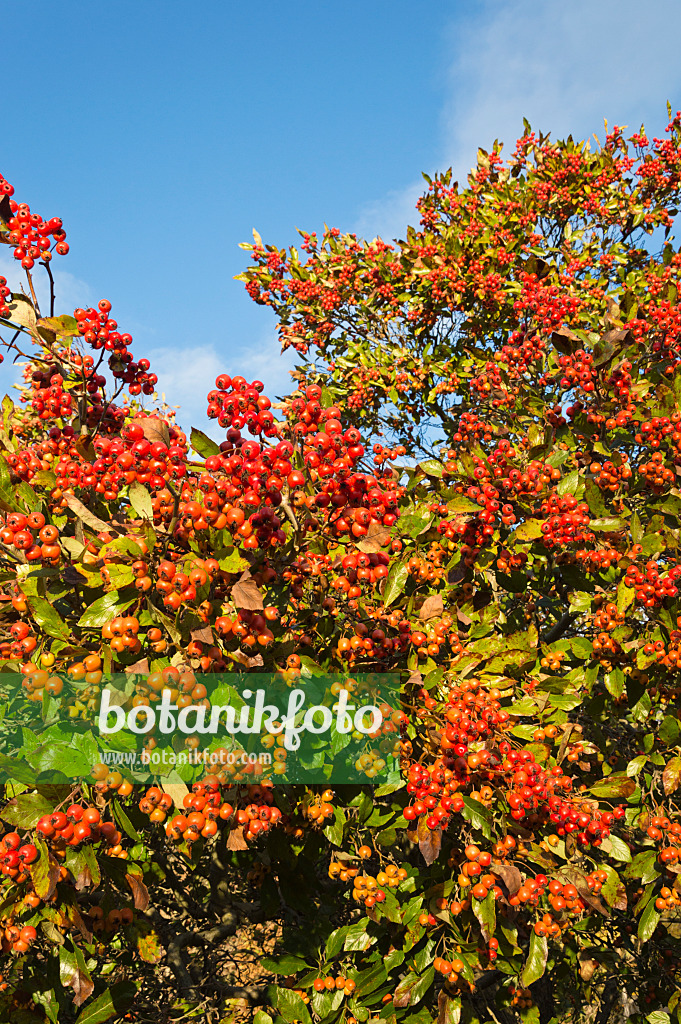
column 162, row 133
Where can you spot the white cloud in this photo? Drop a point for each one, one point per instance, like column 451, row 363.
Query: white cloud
column 563, row 66
column 70, row 291
column 186, row 375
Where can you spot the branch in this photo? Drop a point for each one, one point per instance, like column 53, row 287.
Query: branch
column 560, row 627
column 209, row 936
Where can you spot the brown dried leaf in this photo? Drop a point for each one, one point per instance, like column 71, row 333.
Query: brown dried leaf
column 509, row 875
column 204, row 635
column 245, row 593
column 84, row 879
column 587, row 968
column 235, row 839
column 88, row 517
column 154, row 429
column 140, row 893
column 246, row 660
column 176, row 790
column 431, row 607
column 671, row 776
column 565, row 340
column 448, row 1009
column 376, row 539
column 140, row 668
column 430, row 841
column 79, row 923
column 86, row 448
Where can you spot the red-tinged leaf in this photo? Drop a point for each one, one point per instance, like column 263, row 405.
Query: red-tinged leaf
column 140, row 893
column 671, row 776
column 412, row 988
column 448, row 1008
column 25, row 811
column 149, row 948
column 73, row 973
column 245, row 593
column 617, row 785
column 44, row 872
column 430, row 845
column 78, row 922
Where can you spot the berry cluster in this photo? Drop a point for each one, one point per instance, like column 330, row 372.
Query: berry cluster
column 578, row 371
column 236, row 403
column 30, row 234
column 77, row 825
column 100, row 331
column 567, row 521
column 33, row 536
column 650, row 585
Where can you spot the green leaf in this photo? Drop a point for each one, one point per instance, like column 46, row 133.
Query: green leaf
column 44, row 871
column 618, row 849
column 120, row 576
column 62, row 758
column 49, row 620
column 395, row 581
column 286, row 964
column 568, row 484
column 478, row 815
column 124, row 821
column 432, row 467
column 625, row 597
column 335, row 941
column 609, row 524
column 535, row 965
column 114, row 1000
column 412, row 988
column 232, row 561
column 106, row 608
column 140, row 499
column 594, row 498
column 290, row 1005
column 531, row 529
column 618, row 785
column 356, row 937
column 261, row 1017
column 203, row 444
column 462, row 504
column 580, row 600
column 649, row 921
column 334, row 832
column 25, row 811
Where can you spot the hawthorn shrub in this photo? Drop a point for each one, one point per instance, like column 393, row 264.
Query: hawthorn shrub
column 473, row 484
